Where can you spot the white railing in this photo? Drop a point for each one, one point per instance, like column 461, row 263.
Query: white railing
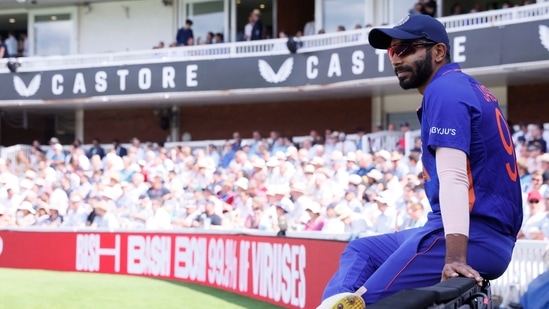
column 463, row 22
column 383, row 140
column 526, row 264
column 496, row 18
column 372, row 142
column 10, row 153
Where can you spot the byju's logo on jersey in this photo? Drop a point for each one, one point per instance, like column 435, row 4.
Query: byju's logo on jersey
column 24, row 90
column 544, row 36
column 442, row 131
column 268, row 74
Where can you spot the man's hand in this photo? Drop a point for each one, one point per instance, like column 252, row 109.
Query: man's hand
column 456, row 269
column 455, row 263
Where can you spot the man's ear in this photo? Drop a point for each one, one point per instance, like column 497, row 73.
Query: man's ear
column 440, row 51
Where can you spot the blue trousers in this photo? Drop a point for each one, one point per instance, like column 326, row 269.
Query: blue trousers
column 388, row 263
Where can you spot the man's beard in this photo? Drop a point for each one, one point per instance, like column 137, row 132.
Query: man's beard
column 424, row 69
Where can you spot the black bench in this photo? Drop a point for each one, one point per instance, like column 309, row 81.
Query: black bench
column 455, row 293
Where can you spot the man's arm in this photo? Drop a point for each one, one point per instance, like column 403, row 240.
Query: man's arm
column 454, row 207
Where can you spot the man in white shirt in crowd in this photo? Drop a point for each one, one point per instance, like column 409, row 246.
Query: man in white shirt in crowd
column 386, row 221
column 11, row 45
column 104, row 219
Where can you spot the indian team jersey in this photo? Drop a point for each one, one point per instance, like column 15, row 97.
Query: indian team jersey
column 458, row 112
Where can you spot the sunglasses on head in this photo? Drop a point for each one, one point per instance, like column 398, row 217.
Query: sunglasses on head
column 533, row 201
column 404, row 49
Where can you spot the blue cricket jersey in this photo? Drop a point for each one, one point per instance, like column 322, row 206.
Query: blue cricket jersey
column 459, row 112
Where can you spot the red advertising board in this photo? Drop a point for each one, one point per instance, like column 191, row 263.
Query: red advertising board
column 290, row 272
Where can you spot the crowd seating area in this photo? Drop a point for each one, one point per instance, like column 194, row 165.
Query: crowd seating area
column 364, row 184
column 320, row 187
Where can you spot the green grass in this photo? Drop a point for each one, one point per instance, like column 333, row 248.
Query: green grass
column 42, row 289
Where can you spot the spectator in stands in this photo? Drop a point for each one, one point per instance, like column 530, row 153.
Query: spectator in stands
column 137, row 149
column 359, row 136
column 228, row 155
column 533, row 152
column 209, row 217
column 26, row 214
column 536, row 137
column 316, row 221
column 157, row 189
column 248, row 28
column 477, row 7
column 96, row 149
column 257, row 141
column 104, row 218
column 351, row 200
column 536, row 182
column 218, row 38
column 333, row 224
column 58, row 157
column 23, row 45
column 309, row 28
column 42, row 213
column 354, row 223
column 54, row 219
column 213, row 154
column 137, row 216
column 282, row 46
column 50, row 151
column 416, row 216
column 11, row 45
column 59, row 197
column 300, row 201
column 3, row 49
column 237, row 141
column 344, row 145
column 532, row 227
column 185, row 34
column 22, row 163
column 416, row 9
column 209, row 38
column 77, row 213
column 160, row 219
column 456, row 9
column 399, row 168
column 261, row 219
column 387, row 219
column 279, row 145
column 257, row 29
column 190, row 218
column 159, row 46
column 429, row 8
column 404, row 127
column 118, row 148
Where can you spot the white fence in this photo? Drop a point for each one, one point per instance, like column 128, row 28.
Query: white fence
column 496, row 18
column 526, row 264
column 372, row 142
column 493, row 18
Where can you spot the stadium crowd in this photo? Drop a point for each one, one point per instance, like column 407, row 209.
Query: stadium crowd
column 327, row 184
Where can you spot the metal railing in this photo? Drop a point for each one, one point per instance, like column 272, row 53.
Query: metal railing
column 526, row 264
column 463, row 22
column 495, row 18
column 10, row 153
column 371, row 142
